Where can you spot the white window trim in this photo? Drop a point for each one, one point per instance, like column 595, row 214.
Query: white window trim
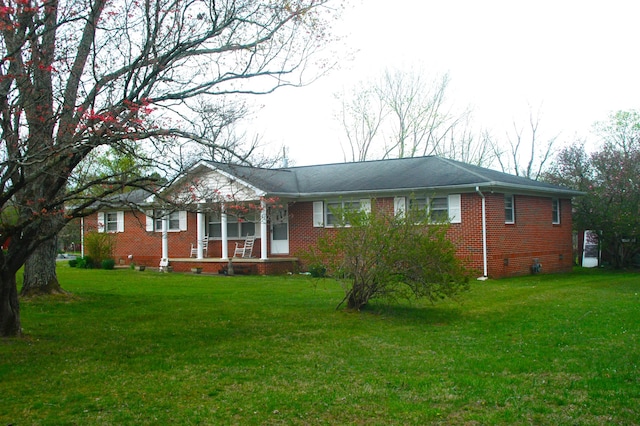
column 513, row 209
column 556, row 202
column 318, row 214
column 365, row 206
column 230, row 220
column 454, row 206
column 102, row 224
column 151, row 218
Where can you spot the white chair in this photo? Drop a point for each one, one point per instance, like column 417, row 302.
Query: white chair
column 205, row 247
column 245, row 249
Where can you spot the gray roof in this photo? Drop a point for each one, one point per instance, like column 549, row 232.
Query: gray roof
column 134, row 197
column 403, row 175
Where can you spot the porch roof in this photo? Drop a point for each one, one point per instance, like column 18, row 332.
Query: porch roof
column 385, row 176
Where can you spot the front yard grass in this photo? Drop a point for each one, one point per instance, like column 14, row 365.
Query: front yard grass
column 131, row 347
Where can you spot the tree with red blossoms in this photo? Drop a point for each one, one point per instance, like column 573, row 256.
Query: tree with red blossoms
column 76, row 76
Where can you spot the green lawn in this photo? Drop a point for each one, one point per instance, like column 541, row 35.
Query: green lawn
column 135, row 347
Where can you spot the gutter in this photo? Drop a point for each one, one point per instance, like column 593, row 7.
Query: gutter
column 488, row 186
column 484, row 235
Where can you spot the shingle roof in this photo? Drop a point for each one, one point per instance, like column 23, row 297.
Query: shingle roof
column 385, row 176
column 134, row 197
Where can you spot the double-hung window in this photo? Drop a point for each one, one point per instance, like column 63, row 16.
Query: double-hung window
column 236, row 227
column 326, row 213
column 509, row 209
column 174, row 220
column 111, row 222
column 335, row 207
column 438, row 209
column 177, row 220
column 555, row 211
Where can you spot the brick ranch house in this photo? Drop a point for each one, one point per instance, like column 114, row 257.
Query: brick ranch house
column 502, row 225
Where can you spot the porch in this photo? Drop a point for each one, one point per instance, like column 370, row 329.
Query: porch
column 251, row 266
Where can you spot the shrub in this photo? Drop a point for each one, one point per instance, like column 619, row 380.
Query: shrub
column 318, row 270
column 108, row 264
column 73, row 263
column 378, row 255
column 99, row 246
column 85, row 262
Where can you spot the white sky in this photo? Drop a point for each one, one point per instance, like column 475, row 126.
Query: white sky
column 575, row 61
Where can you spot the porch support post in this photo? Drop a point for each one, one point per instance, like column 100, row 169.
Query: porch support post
column 200, row 231
column 165, row 236
column 263, row 230
column 225, row 239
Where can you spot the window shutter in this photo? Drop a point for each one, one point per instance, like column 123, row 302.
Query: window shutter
column 183, row 220
column 150, row 221
column 455, row 209
column 318, row 214
column 399, row 206
column 100, row 222
column 120, row 219
column 365, row 205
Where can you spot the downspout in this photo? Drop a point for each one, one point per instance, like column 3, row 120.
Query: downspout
column 484, row 235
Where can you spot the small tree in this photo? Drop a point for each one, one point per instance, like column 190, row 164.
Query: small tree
column 378, row 255
column 99, row 246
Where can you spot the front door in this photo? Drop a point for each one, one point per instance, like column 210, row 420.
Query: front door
column 279, row 231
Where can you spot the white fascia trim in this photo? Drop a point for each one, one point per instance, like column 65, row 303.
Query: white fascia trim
column 259, row 192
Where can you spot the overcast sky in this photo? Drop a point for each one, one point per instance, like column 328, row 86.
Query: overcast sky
column 574, row 61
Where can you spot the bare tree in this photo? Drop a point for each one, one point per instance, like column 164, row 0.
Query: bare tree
column 403, row 114
column 465, row 143
column 361, row 115
column 77, row 75
column 420, row 116
column 222, row 138
column 526, row 153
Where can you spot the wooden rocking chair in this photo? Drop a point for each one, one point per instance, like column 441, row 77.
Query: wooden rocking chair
column 245, row 250
column 205, row 247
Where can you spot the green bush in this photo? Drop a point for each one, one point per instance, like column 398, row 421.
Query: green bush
column 318, row 270
column 379, row 255
column 73, row 263
column 85, row 262
column 99, row 246
column 108, row 264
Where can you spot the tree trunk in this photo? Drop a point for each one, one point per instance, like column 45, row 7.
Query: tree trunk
column 9, row 307
column 40, row 271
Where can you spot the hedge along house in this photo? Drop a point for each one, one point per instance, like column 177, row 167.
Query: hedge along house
column 502, row 225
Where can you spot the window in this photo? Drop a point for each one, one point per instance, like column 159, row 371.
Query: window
column 555, row 211
column 111, row 222
column 177, row 221
column 509, row 209
column 437, row 209
column 174, row 220
column 324, row 212
column 335, row 206
column 236, row 228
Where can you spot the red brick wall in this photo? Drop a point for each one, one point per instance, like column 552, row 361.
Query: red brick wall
column 146, row 247
column 511, row 248
column 532, row 236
